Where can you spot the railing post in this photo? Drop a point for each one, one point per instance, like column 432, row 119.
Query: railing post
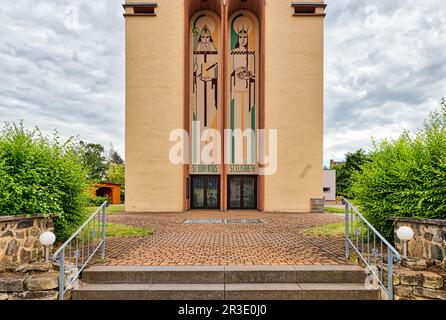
column 104, row 216
column 347, row 245
column 62, row 275
column 389, row 274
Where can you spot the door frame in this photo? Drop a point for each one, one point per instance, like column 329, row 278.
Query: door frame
column 195, row 176
column 256, row 180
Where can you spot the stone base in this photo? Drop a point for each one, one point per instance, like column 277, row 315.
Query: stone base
column 412, row 281
column 38, row 281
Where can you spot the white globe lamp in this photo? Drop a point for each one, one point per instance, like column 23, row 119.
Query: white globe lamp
column 405, row 234
column 47, row 239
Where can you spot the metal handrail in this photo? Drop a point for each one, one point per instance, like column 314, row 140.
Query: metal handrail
column 355, row 221
column 94, row 229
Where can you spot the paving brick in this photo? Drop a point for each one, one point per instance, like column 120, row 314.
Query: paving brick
column 278, row 242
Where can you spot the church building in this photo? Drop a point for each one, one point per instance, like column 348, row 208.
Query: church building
column 232, row 88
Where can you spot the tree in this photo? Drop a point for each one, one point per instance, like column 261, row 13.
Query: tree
column 345, row 171
column 114, row 156
column 94, row 160
column 116, row 174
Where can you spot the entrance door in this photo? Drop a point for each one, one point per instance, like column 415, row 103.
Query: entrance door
column 242, row 193
column 205, row 192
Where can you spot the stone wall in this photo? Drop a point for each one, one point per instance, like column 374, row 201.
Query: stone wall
column 418, row 279
column 36, row 281
column 19, row 240
column 429, row 239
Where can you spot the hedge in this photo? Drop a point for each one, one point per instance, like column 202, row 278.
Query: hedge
column 42, row 175
column 405, row 177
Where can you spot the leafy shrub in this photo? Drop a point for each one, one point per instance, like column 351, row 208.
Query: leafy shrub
column 96, row 202
column 405, row 177
column 42, row 175
column 345, row 171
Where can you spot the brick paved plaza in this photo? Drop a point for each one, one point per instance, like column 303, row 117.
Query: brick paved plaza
column 277, row 242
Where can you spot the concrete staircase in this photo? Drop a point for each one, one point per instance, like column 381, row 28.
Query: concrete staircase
column 225, row 282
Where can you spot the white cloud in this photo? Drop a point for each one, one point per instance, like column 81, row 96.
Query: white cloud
column 62, row 66
column 385, row 67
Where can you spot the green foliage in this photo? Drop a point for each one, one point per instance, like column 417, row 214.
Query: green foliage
column 405, row 177
column 345, row 171
column 114, row 157
column 42, row 175
column 116, row 174
column 96, row 202
column 94, row 160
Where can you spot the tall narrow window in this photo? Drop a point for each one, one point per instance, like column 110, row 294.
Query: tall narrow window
column 205, row 90
column 243, row 91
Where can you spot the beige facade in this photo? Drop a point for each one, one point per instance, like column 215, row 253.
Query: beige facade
column 330, row 185
column 288, row 79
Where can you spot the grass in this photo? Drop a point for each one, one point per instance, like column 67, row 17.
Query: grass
column 111, row 209
column 120, row 230
column 334, row 210
column 329, row 230
column 335, row 230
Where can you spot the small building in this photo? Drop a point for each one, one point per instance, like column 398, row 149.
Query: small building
column 108, row 189
column 330, row 185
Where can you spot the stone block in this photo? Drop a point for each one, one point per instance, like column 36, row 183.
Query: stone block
column 34, row 295
column 35, row 267
column 12, row 248
column 7, row 234
column 10, row 282
column 396, row 279
column 4, row 296
column 45, row 281
column 25, row 224
column 437, row 252
column 430, row 293
column 428, row 236
column 410, row 278
column 421, row 264
column 20, row 235
column 432, row 280
column 25, row 255
column 403, row 291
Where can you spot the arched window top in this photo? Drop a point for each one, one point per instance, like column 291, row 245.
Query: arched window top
column 194, row 6
column 255, row 6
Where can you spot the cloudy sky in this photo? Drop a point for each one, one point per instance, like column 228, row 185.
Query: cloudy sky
column 62, row 66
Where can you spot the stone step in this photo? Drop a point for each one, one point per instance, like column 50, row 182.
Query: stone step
column 223, row 274
column 234, row 291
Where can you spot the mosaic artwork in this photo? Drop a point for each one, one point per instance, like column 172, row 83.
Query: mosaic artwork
column 243, row 66
column 205, row 109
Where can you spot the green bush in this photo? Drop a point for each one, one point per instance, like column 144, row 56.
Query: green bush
column 405, row 177
column 41, row 175
column 98, row 201
column 345, row 171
